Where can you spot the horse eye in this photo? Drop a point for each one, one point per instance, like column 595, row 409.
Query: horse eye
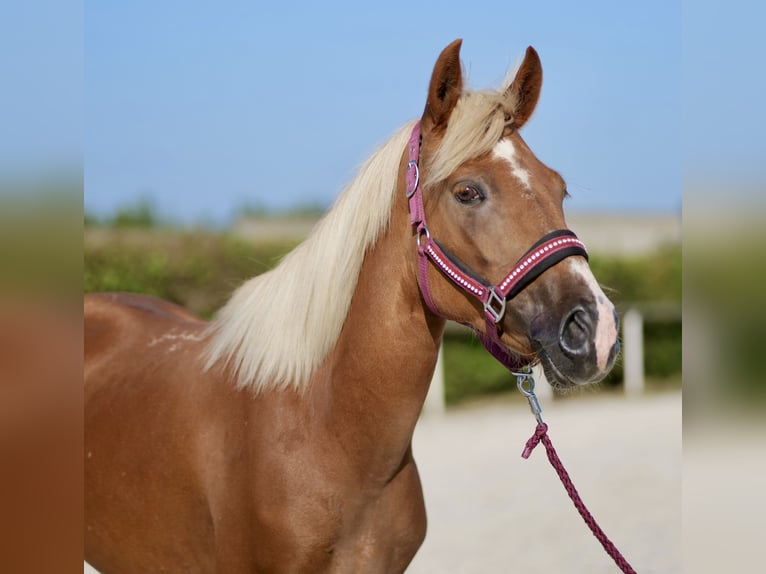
column 468, row 195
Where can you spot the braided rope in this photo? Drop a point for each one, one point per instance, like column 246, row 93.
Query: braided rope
column 541, row 435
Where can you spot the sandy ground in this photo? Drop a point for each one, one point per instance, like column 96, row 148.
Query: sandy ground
column 491, row 511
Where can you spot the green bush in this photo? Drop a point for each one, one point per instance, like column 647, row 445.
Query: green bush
column 639, row 279
column 470, row 371
column 195, row 269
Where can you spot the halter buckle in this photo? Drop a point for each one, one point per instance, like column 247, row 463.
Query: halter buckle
column 495, row 305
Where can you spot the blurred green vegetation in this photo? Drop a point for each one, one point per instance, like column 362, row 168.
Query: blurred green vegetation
column 139, row 215
column 654, row 278
column 199, row 269
column 196, row 269
column 469, row 371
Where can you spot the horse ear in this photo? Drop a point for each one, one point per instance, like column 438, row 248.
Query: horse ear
column 522, row 95
column 445, row 88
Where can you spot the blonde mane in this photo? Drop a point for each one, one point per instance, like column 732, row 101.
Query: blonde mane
column 278, row 327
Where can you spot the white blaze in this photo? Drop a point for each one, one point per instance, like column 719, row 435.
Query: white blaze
column 505, row 150
column 606, row 328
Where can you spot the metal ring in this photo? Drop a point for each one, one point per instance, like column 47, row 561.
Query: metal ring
column 420, row 233
column 521, row 378
column 411, row 192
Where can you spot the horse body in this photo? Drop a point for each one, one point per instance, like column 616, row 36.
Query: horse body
column 201, row 460
column 218, row 479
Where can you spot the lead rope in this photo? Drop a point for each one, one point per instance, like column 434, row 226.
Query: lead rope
column 541, row 435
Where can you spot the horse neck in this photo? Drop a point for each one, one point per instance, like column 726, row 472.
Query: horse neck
column 380, row 369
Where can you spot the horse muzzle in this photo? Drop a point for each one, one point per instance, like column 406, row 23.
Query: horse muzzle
column 582, row 349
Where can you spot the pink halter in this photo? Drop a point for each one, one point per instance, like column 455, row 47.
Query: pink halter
column 548, row 251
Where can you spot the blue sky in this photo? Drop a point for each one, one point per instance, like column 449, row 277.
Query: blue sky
column 206, row 107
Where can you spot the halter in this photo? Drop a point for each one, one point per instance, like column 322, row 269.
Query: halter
column 545, row 253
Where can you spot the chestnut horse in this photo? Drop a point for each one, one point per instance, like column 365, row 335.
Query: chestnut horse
column 278, row 437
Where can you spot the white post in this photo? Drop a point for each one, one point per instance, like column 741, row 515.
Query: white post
column 633, row 352
column 435, row 397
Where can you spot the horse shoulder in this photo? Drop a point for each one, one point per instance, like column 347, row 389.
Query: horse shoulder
column 138, row 431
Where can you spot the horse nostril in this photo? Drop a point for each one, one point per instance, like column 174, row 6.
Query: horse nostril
column 576, row 333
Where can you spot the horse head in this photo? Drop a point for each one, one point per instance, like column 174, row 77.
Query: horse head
column 487, row 200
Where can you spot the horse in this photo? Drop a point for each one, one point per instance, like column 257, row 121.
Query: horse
column 278, row 436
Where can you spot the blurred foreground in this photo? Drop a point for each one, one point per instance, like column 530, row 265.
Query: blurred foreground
column 41, row 376
column 724, row 378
